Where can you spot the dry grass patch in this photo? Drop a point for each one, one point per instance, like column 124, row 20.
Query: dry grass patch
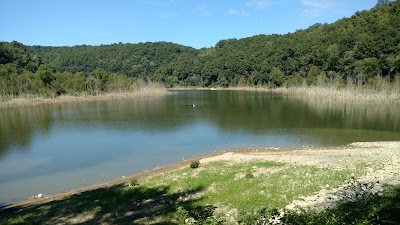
column 145, row 90
column 344, row 96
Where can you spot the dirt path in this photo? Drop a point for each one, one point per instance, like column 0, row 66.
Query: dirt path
column 333, row 156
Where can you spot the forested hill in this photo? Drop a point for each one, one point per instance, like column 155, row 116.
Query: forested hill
column 130, row 59
column 17, row 55
column 362, row 47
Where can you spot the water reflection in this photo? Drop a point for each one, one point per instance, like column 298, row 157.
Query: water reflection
column 258, row 111
column 370, row 117
column 19, row 125
column 58, row 147
column 229, row 111
column 152, row 114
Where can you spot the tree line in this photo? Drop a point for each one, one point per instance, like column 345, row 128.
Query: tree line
column 363, row 48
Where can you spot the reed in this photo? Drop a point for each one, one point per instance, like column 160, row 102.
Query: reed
column 139, row 89
column 350, row 95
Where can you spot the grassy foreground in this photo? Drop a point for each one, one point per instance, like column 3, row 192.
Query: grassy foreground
column 259, row 186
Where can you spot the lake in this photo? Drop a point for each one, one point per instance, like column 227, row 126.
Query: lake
column 53, row 148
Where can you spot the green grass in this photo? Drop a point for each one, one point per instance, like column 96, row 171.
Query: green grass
column 377, row 210
column 274, row 184
column 228, row 186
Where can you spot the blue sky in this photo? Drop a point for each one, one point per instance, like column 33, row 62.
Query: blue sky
column 198, row 24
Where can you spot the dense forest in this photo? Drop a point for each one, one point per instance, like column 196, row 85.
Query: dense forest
column 363, row 48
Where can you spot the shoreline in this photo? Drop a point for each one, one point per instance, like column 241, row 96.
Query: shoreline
column 32, row 100
column 352, row 95
column 327, row 95
column 265, row 89
column 323, row 156
column 343, row 96
column 33, row 200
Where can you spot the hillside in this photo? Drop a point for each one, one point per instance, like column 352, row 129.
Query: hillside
column 361, row 49
column 133, row 60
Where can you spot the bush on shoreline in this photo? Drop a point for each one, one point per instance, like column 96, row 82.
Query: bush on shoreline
column 195, row 164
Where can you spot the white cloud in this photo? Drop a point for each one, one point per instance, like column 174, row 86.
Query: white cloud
column 235, row 12
column 203, row 9
column 259, row 4
column 315, row 8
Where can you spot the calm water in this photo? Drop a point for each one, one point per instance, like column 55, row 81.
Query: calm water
column 48, row 149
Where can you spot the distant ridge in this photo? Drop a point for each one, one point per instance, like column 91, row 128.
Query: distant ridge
column 360, row 47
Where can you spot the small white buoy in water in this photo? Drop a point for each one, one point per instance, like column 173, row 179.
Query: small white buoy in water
column 40, row 195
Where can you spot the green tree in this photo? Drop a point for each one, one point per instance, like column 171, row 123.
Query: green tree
column 312, row 75
column 46, row 74
column 61, row 83
column 366, row 68
column 381, row 3
column 366, row 47
column 5, row 71
column 333, row 56
column 78, row 83
column 118, row 82
column 394, row 63
column 276, row 77
column 99, row 77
